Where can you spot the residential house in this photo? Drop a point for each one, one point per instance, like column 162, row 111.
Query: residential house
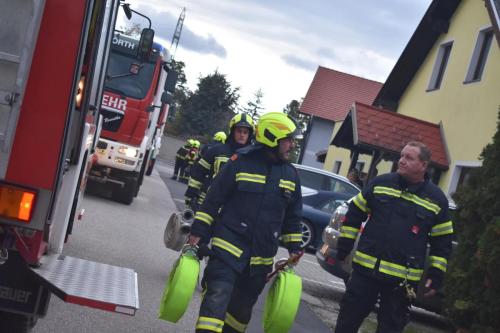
column 327, row 101
column 448, row 78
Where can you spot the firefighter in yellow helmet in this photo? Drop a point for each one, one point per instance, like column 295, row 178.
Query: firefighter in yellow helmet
column 181, row 159
column 241, row 128
column 254, row 200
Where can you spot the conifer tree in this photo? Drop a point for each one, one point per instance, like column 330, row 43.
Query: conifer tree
column 472, row 285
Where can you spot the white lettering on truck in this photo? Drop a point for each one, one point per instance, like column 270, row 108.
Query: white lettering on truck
column 114, row 102
column 124, row 43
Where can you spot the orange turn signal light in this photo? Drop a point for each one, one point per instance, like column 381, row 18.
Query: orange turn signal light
column 16, row 202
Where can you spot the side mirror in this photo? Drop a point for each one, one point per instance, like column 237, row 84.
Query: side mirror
column 171, row 81
column 167, row 98
column 145, row 44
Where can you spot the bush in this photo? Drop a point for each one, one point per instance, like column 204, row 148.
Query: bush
column 472, row 285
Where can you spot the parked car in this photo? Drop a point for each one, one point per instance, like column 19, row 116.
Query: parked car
column 317, row 210
column 322, row 180
column 327, row 252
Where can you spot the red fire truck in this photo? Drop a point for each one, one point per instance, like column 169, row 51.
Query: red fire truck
column 53, row 56
column 134, row 109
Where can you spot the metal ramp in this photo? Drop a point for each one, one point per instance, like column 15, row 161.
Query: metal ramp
column 90, row 283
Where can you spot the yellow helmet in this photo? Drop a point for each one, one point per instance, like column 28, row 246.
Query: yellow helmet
column 190, row 142
column 220, row 136
column 274, row 126
column 242, row 120
column 196, row 143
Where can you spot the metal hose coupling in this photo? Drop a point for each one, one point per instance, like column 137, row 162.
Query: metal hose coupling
column 190, row 250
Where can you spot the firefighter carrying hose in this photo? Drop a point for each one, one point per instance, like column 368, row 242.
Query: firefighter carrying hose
column 254, row 200
column 407, row 212
column 241, row 128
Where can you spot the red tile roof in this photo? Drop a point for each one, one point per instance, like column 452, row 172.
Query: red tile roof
column 332, row 93
column 391, row 131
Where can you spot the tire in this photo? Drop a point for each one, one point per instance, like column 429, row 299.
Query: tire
column 126, row 194
column 13, row 322
column 308, row 235
column 151, row 166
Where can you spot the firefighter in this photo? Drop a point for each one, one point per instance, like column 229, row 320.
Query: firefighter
column 241, row 128
column 180, row 158
column 218, row 138
column 191, row 157
column 254, row 200
column 406, row 213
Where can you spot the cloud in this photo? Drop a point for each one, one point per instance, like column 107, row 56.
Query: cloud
column 164, row 24
column 299, row 62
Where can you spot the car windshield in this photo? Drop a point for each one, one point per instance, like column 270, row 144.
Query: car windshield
column 330, row 205
column 319, row 181
column 133, row 86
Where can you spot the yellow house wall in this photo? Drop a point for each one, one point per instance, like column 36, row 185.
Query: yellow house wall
column 468, row 111
column 344, row 155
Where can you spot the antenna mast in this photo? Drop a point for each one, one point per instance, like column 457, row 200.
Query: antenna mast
column 177, row 33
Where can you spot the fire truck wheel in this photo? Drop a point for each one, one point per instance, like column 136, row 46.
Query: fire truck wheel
column 12, row 322
column 126, row 194
column 151, row 166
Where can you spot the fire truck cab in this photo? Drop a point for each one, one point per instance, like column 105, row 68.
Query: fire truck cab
column 134, row 108
column 53, row 58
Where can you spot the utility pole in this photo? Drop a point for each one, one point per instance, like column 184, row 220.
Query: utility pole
column 177, row 33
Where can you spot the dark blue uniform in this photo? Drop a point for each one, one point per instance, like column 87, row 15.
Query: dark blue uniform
column 403, row 220
column 250, row 205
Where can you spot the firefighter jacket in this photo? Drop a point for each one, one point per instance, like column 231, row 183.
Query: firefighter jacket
column 206, row 168
column 250, row 205
column 182, row 152
column 403, row 220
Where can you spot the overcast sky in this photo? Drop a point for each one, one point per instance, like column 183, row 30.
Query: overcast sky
column 277, row 45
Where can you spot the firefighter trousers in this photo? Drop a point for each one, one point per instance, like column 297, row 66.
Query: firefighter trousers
column 361, row 294
column 228, row 298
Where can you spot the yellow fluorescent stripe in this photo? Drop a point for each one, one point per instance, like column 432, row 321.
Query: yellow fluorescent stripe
column 250, row 180
column 261, row 261
column 360, row 202
column 421, row 202
column 287, row 187
column 219, row 242
column 231, row 321
column 194, row 183
column 387, row 190
column 251, row 175
column 442, row 229
column 287, row 184
column 204, row 217
column 204, row 164
column 291, row 238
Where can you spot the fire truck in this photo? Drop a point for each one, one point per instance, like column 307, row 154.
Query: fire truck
column 53, row 58
column 134, row 109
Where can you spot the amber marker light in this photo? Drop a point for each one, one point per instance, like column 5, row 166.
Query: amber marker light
column 16, row 202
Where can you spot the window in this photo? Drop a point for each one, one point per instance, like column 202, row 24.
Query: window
column 360, row 166
column 336, row 167
column 322, row 182
column 479, row 55
column 440, row 66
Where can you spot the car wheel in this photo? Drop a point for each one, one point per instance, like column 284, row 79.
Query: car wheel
column 307, row 234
